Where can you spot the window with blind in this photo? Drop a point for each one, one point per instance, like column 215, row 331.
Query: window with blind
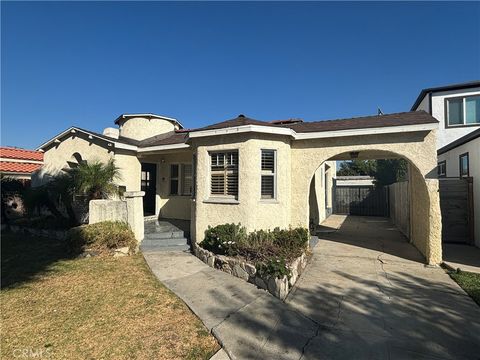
column 181, row 179
column 269, row 174
column 224, row 174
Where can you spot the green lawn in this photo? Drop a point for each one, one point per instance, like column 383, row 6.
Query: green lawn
column 469, row 282
column 91, row 308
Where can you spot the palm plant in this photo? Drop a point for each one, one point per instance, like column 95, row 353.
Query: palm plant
column 95, row 180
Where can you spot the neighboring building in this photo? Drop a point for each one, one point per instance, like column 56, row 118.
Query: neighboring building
column 19, row 163
column 456, row 107
column 257, row 173
column 461, row 158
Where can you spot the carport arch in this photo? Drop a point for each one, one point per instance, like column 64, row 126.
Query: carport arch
column 420, row 152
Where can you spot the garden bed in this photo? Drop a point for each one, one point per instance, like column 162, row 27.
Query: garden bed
column 272, row 260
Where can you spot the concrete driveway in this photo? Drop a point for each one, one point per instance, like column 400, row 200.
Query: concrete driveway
column 372, row 297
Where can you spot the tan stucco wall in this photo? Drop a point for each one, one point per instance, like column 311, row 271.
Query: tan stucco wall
column 139, row 128
column 418, row 148
column 251, row 211
column 130, row 169
column 317, row 209
column 56, row 156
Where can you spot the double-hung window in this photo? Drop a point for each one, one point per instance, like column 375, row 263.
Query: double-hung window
column 442, row 168
column 269, row 174
column 464, row 165
column 224, row 174
column 181, row 179
column 461, row 111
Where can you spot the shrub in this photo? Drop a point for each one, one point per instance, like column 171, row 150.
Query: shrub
column 274, row 267
column 269, row 251
column 224, row 239
column 102, row 237
column 47, row 222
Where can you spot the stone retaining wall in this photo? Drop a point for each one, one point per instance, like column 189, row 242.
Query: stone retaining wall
column 243, row 270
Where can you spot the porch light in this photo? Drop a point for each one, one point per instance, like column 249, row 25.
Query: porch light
column 354, row 154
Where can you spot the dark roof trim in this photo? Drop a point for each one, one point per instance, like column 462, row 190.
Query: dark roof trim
column 463, row 140
column 151, row 116
column 459, row 86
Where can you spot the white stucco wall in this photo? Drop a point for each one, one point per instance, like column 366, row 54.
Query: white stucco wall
column 453, row 170
column 140, row 128
column 447, row 135
column 323, row 183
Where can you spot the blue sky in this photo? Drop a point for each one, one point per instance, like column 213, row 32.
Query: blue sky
column 85, row 63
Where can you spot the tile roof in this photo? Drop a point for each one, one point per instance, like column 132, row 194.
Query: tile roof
column 18, row 167
column 21, row 154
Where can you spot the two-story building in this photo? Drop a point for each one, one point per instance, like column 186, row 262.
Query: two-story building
column 457, row 108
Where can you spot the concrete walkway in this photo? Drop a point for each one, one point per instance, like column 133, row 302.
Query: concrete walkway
column 365, row 295
column 463, row 257
column 373, row 298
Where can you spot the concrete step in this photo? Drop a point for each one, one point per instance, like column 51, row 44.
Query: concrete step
column 165, row 242
column 152, row 248
column 165, row 235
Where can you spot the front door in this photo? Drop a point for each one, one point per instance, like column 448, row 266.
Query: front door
column 149, row 185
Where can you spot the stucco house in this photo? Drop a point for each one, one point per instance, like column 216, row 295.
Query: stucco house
column 457, row 108
column 259, row 173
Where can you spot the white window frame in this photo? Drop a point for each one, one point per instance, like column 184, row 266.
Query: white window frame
column 464, row 111
column 444, row 173
column 180, row 179
column 268, row 173
column 225, row 172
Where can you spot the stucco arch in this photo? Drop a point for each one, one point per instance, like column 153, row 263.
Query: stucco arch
column 417, row 148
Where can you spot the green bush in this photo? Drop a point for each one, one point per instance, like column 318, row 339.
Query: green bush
column 101, row 237
column 274, row 267
column 47, row 222
column 224, row 239
column 269, row 251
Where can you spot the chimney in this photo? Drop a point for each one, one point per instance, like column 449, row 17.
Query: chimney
column 111, row 132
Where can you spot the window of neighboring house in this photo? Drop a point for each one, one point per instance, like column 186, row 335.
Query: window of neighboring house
column 181, row 179
column 224, row 174
column 464, row 165
column 463, row 110
column 268, row 174
column 442, row 168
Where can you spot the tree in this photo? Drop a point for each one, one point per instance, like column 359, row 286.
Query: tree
column 357, row 168
column 390, row 171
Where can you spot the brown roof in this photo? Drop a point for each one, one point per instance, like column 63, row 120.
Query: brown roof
column 240, row 120
column 398, row 119
column 170, row 138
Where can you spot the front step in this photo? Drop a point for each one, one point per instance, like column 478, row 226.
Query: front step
column 163, row 236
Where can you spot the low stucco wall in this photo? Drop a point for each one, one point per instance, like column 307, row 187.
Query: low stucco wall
column 107, row 210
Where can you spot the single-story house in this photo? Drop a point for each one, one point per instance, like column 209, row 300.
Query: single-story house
column 19, row 163
column 257, row 173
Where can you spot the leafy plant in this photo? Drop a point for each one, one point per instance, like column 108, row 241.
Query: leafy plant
column 103, row 236
column 95, row 180
column 274, row 267
column 224, row 239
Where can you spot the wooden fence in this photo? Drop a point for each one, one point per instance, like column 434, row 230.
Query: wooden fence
column 456, row 204
column 361, row 200
column 400, row 206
